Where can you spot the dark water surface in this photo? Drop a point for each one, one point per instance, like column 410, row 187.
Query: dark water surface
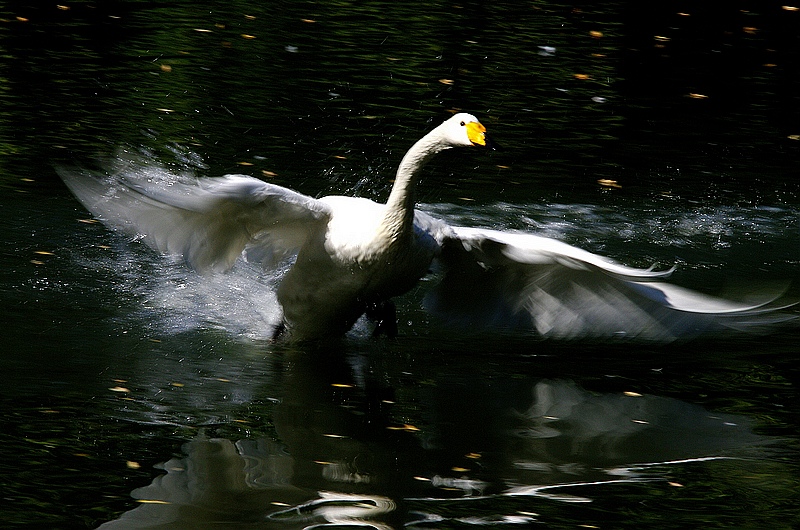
column 137, row 394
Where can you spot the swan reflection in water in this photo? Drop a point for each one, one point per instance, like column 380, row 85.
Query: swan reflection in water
column 350, row 256
column 379, row 475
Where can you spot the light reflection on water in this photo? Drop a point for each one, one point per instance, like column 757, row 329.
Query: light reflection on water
column 325, row 464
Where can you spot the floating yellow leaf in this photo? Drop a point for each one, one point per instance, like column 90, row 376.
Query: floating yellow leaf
column 245, row 163
column 459, row 469
column 632, row 394
column 43, row 253
column 405, row 427
column 473, row 456
column 446, row 81
column 790, row 8
column 152, row 501
column 165, row 68
column 62, row 8
column 246, row 36
column 582, row 77
column 695, row 95
column 661, row 38
column 608, row 183
column 200, row 30
column 341, row 385
column 675, row 484
column 794, row 137
column 177, row 384
column 121, row 389
column 308, row 20
column 132, row 464
column 596, row 34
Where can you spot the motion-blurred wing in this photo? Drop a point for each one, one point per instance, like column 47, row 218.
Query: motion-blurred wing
column 522, row 281
column 207, row 221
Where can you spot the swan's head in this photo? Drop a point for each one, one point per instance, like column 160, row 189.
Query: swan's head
column 464, row 130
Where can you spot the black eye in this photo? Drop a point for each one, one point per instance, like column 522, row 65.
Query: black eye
column 462, row 123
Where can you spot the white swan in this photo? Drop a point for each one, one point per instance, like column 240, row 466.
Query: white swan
column 353, row 255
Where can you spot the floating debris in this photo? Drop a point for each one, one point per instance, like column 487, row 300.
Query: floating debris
column 406, row 427
column 608, row 183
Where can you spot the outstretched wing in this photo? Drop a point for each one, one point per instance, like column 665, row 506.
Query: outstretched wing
column 207, row 221
column 511, row 280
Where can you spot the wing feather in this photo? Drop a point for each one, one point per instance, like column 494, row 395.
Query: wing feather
column 209, row 222
column 512, row 280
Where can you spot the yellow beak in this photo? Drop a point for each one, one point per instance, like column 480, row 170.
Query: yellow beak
column 476, row 133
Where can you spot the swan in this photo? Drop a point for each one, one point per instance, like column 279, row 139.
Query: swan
column 352, row 255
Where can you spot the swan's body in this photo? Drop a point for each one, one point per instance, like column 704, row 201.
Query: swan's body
column 353, row 254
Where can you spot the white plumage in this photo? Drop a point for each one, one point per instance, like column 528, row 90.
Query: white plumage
column 352, row 255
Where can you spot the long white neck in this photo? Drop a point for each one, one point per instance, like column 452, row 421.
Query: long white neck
column 399, row 217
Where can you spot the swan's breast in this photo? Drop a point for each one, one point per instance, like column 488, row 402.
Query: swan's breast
column 354, row 232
